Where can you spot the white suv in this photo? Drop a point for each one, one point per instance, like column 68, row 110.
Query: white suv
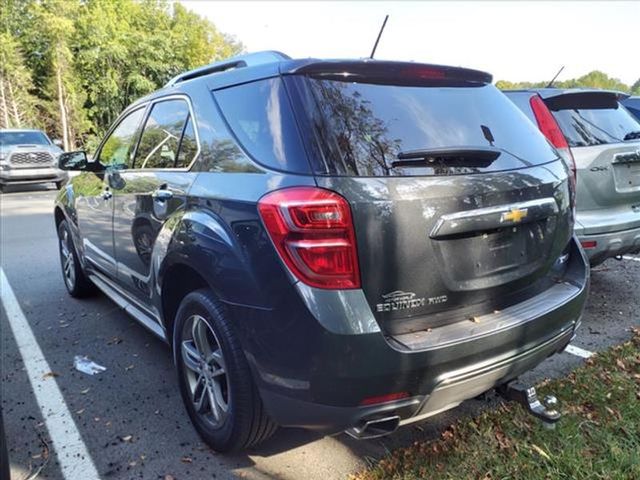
column 29, row 156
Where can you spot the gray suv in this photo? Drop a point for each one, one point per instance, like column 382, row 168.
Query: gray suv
column 29, row 156
column 337, row 245
column 600, row 140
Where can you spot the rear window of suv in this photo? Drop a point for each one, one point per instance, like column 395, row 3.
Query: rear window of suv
column 361, row 129
column 588, row 119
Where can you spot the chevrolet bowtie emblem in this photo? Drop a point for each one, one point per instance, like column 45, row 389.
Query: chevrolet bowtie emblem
column 515, row 215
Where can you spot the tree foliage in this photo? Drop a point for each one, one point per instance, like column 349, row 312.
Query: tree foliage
column 17, row 104
column 74, row 65
column 594, row 79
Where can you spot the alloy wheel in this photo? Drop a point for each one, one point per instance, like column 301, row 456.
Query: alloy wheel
column 205, row 371
column 68, row 262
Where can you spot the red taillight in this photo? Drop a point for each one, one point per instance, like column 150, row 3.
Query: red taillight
column 547, row 124
column 313, row 232
column 587, row 244
column 550, row 129
column 390, row 397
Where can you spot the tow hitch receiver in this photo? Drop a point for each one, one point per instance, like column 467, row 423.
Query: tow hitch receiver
column 546, row 411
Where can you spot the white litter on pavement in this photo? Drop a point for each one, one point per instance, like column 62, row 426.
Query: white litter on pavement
column 84, row 365
column 578, row 352
column 632, row 258
column 72, row 454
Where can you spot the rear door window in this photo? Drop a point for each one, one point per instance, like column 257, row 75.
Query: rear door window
column 363, row 129
column 168, row 139
column 593, row 119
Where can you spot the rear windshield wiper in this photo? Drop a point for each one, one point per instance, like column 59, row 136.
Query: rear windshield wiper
column 632, row 135
column 473, row 157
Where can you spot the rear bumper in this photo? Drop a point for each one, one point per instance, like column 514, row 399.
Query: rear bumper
column 608, row 245
column 32, row 175
column 450, row 391
column 323, row 390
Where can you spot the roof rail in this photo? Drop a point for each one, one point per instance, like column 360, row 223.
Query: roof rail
column 248, row 60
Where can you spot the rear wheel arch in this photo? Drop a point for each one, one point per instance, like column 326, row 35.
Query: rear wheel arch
column 58, row 215
column 178, row 281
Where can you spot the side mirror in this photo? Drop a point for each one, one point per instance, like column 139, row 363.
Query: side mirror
column 58, row 143
column 78, row 161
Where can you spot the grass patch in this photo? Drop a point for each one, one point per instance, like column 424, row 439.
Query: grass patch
column 597, row 438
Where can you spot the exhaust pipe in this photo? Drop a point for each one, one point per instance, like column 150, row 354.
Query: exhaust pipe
column 374, row 428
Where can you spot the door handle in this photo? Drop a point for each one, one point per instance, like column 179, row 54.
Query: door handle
column 106, row 195
column 162, row 195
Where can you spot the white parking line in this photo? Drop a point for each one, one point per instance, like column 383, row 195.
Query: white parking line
column 626, row 257
column 578, row 352
column 73, row 457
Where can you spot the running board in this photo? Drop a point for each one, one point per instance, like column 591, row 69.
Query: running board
column 142, row 318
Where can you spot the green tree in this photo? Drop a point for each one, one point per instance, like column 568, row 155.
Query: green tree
column 594, row 79
column 635, row 88
column 75, row 64
column 47, row 32
column 17, row 103
column 126, row 49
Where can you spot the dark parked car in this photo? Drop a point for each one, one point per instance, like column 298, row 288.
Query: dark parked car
column 600, row 141
column 336, row 245
column 633, row 105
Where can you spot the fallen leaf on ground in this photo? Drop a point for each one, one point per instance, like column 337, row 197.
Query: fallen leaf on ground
column 50, row 375
column 540, row 451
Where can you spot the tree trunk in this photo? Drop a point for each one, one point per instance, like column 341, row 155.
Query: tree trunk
column 3, row 105
column 14, row 105
column 63, row 110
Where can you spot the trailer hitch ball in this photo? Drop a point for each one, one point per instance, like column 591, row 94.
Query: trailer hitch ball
column 550, row 403
column 547, row 411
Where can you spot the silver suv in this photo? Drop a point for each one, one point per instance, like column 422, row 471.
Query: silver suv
column 600, row 140
column 29, row 156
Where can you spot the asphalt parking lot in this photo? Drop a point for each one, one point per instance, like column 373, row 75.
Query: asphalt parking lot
column 130, row 417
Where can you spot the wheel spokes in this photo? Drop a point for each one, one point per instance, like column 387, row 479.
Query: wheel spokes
column 191, row 356
column 205, row 368
column 200, row 395
column 199, row 335
column 216, row 362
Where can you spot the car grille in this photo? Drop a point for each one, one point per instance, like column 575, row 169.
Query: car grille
column 28, row 159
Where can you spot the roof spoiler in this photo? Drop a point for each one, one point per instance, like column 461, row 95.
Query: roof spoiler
column 584, row 99
column 546, row 93
column 239, row 61
column 382, row 71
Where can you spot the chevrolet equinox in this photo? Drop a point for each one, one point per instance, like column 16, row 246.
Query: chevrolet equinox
column 339, row 245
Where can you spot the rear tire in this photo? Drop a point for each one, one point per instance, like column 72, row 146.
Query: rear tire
column 77, row 283
column 212, row 370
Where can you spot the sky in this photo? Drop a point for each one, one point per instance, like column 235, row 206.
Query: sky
column 514, row 41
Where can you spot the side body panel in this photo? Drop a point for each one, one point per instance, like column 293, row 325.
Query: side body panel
column 138, row 219
column 93, row 211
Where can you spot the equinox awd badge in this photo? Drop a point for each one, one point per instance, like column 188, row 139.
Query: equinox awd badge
column 400, row 300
